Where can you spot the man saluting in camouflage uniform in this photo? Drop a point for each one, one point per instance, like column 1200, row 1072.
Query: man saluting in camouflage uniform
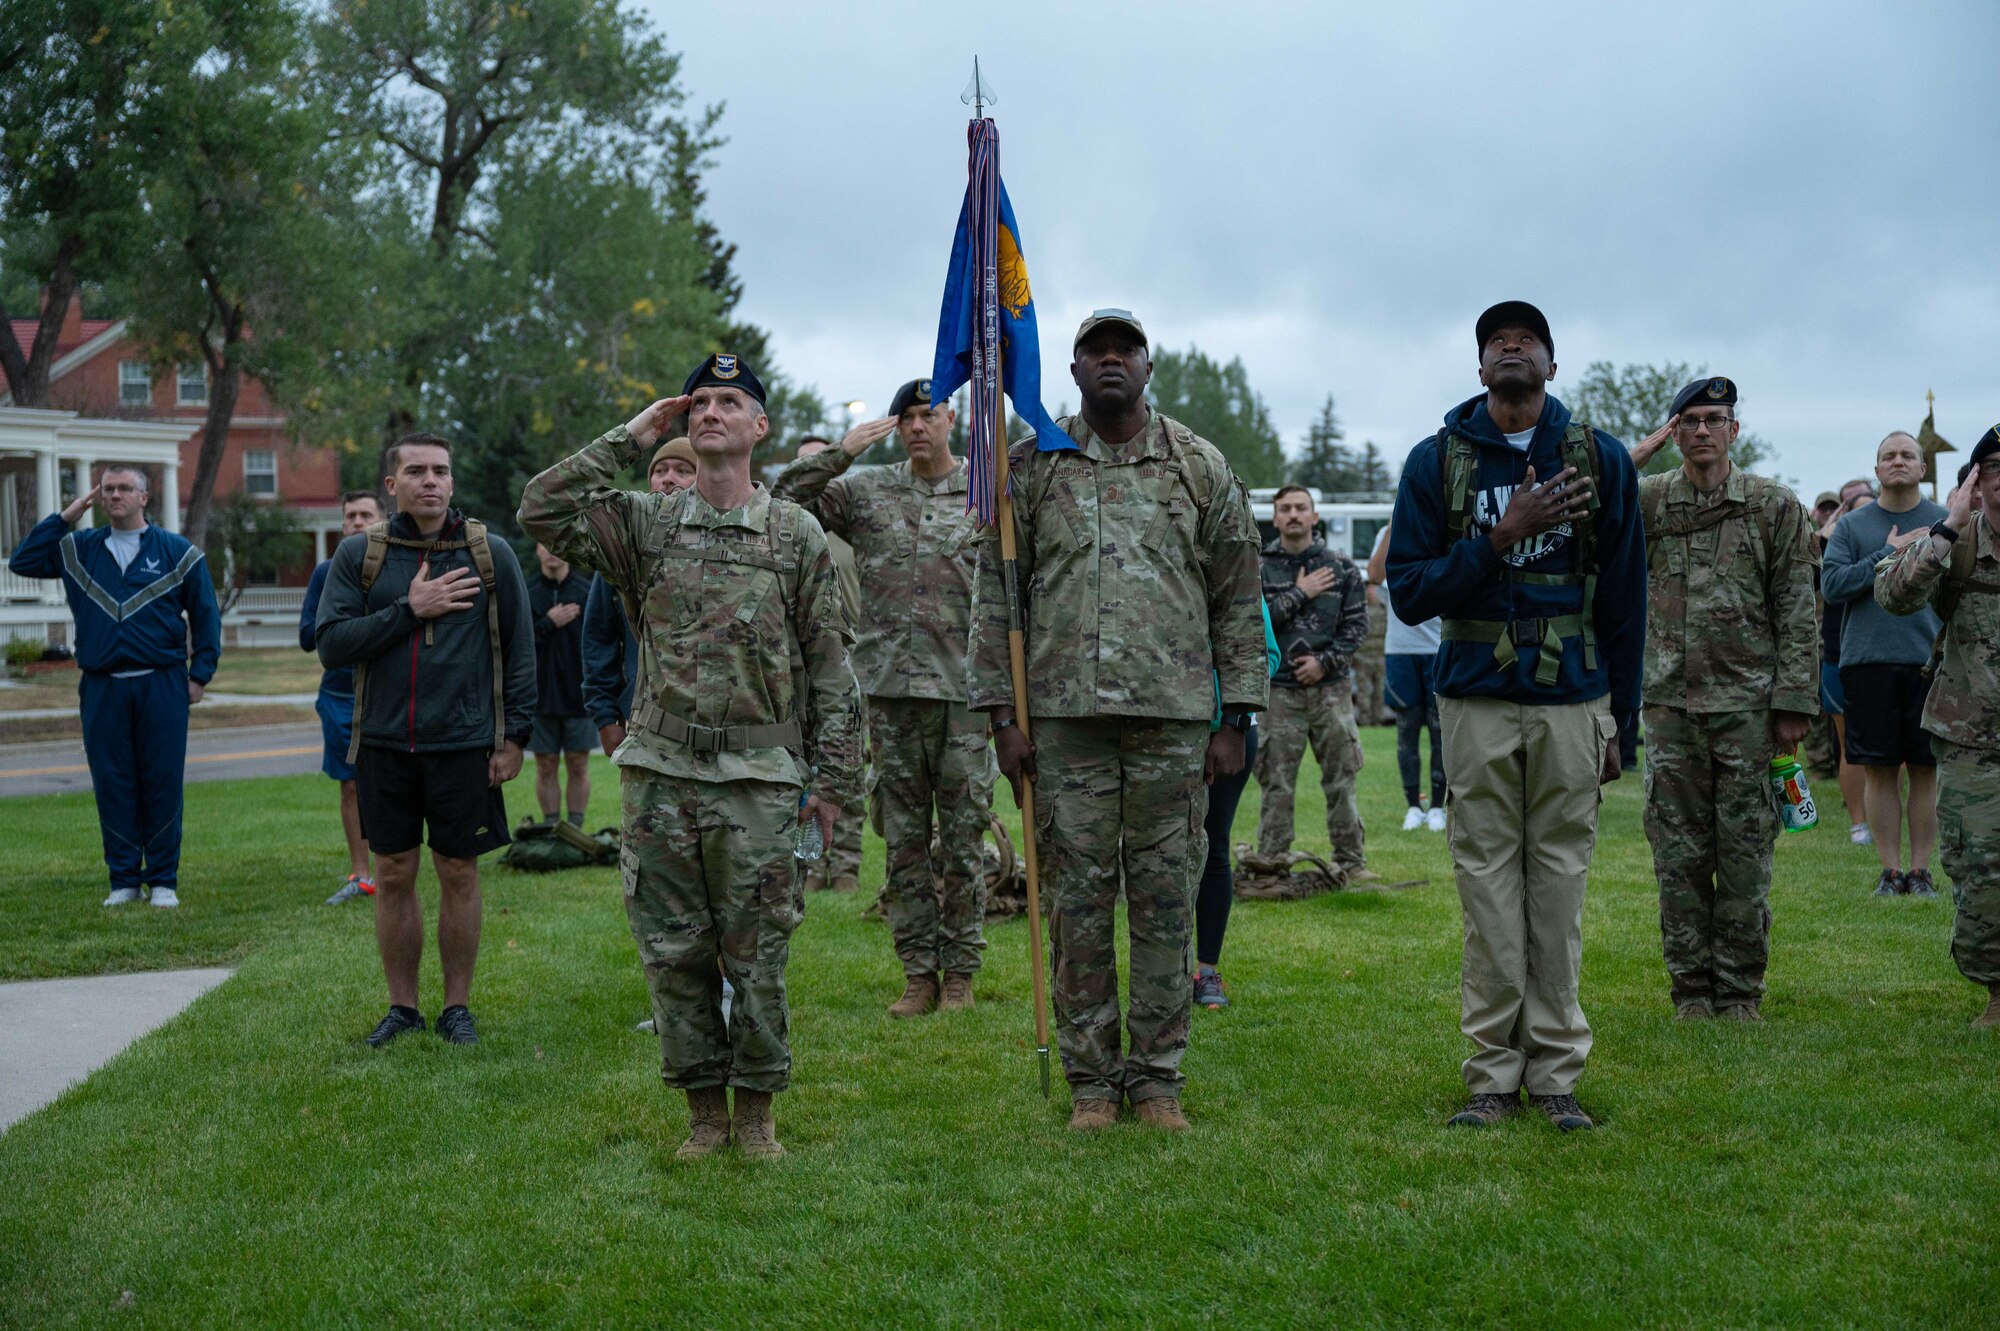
column 1956, row 571
column 1732, row 676
column 726, row 588
column 913, row 546
column 1138, row 566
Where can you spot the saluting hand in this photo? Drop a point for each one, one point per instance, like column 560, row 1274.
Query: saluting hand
column 75, row 508
column 1644, row 450
column 1961, row 502
column 647, row 427
column 1535, row 509
column 866, row 435
column 432, row 597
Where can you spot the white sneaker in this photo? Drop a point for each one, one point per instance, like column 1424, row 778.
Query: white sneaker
column 1435, row 820
column 1860, row 835
column 165, row 898
column 1414, row 819
column 123, row 896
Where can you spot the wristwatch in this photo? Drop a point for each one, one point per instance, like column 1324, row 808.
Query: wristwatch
column 1239, row 721
column 999, row 726
column 1944, row 529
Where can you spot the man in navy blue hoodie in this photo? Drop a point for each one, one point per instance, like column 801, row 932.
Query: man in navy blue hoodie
column 148, row 637
column 1521, row 530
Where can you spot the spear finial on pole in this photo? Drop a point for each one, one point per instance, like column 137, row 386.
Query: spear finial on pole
column 979, row 94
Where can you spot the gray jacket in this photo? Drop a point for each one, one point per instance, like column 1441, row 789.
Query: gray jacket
column 445, row 663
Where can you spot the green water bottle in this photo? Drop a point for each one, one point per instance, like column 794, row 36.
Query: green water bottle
column 1795, row 801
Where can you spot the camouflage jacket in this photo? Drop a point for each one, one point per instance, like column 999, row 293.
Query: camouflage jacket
column 1331, row 626
column 1732, row 619
column 1964, row 703
column 724, row 638
column 913, row 549
column 1138, row 568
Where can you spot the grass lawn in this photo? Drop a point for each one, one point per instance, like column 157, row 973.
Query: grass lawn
column 252, row 1162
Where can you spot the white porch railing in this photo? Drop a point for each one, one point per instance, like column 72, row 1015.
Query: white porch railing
column 264, row 601
column 30, row 591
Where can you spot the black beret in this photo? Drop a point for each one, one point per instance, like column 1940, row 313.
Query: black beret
column 916, row 393
column 723, row 370
column 1513, row 314
column 1988, row 446
column 1712, row 391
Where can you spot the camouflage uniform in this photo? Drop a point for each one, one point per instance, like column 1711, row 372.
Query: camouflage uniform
column 843, row 857
column 1331, row 626
column 1962, row 715
column 1370, row 661
column 913, row 546
column 1732, row 635
column 1138, row 569
column 743, row 682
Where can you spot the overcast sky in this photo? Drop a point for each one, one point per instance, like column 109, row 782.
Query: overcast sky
column 1804, row 196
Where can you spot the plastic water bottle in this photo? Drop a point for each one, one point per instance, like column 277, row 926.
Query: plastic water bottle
column 808, row 843
column 1795, row 801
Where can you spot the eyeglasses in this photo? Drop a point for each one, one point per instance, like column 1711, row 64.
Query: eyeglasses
column 1692, row 424
column 118, row 489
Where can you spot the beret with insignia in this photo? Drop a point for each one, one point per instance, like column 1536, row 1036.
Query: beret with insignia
column 723, row 370
column 1708, row 391
column 916, row 393
column 1512, row 314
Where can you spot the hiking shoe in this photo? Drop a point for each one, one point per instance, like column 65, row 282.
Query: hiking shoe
column 1414, row 819
column 1860, row 835
column 122, row 896
column 920, row 995
column 1208, row 990
column 1092, row 1114
column 165, row 898
column 1739, row 1012
column 455, row 1025
column 355, row 886
column 1435, row 819
column 1890, row 884
column 957, row 993
column 1563, row 1111
column 1917, row 882
column 754, row 1127
column 1162, row 1111
column 399, row 1020
column 1485, row 1109
column 1990, row 1018
column 1693, row 1009
column 708, row 1123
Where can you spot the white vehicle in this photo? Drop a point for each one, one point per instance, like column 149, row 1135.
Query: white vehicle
column 1349, row 522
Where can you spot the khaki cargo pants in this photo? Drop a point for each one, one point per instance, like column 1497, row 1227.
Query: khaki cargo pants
column 1524, row 800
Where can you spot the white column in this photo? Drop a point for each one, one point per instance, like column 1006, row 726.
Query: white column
column 170, row 496
column 48, row 498
column 84, row 466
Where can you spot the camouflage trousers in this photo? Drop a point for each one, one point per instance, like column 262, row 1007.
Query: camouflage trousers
column 1316, row 715
column 1969, row 843
column 1822, row 758
column 1121, row 799
column 1370, row 665
column 1712, row 821
column 709, row 875
column 932, row 755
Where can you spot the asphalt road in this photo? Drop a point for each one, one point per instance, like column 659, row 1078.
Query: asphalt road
column 56, row 766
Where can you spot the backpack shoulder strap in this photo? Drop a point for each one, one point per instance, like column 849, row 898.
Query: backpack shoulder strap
column 482, row 559
column 374, row 553
column 481, row 552
column 1457, row 461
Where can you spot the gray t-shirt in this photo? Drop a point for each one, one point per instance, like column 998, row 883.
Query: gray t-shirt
column 1871, row 635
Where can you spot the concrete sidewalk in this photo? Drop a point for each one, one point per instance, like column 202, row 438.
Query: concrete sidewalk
column 54, row 1033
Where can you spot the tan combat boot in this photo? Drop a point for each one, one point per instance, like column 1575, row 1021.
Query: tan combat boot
column 1990, row 1018
column 1740, row 1011
column 756, row 1130
column 1162, row 1111
column 1093, row 1114
column 920, row 994
column 708, row 1123
column 957, row 992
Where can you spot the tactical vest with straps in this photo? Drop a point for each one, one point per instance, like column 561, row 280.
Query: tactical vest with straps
column 1758, row 505
column 780, row 555
column 1180, row 441
column 1459, row 458
column 481, row 554
column 1958, row 580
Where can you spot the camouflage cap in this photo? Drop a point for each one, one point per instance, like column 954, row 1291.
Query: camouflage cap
column 1100, row 318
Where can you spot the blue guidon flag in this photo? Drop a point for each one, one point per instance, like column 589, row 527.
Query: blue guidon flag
column 986, row 330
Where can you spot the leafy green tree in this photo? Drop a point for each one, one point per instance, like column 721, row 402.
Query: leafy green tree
column 247, row 540
column 1217, row 402
column 1632, row 401
column 1325, row 462
column 1371, row 470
